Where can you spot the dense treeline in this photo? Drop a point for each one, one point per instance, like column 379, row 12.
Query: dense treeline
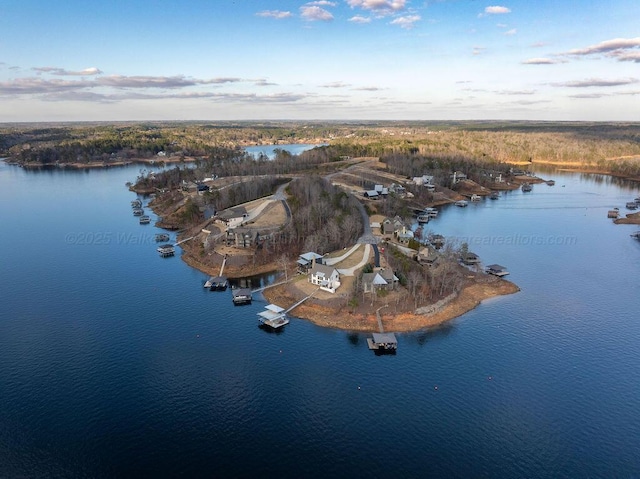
column 324, row 218
column 590, row 144
column 426, row 284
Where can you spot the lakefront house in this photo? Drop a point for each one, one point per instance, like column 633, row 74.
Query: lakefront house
column 325, row 276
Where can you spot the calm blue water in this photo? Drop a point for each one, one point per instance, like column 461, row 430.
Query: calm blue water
column 269, row 150
column 116, row 363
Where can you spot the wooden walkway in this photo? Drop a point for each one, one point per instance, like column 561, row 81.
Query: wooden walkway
column 183, row 241
column 224, row 262
column 301, row 301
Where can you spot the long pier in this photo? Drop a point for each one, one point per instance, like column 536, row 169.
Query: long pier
column 183, row 241
column 260, row 290
column 300, row 302
column 224, row 262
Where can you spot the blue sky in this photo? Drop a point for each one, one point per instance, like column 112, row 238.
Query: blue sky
column 65, row 60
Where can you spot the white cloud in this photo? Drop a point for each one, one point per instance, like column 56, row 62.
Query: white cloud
column 496, row 10
column 540, row 61
column 629, row 57
column 277, row 14
column 384, row 7
column 314, row 13
column 597, row 82
column 478, row 50
column 513, row 31
column 406, row 22
column 608, row 46
column 322, row 3
column 337, row 84
column 360, row 19
column 62, row 72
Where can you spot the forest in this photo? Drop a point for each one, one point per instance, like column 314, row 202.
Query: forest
column 607, row 147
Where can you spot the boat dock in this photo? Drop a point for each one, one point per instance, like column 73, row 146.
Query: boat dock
column 382, row 342
column 497, row 270
column 166, row 250
column 241, row 296
column 275, row 316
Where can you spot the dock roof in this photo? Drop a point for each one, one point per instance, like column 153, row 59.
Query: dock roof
column 274, row 307
column 381, row 338
column 496, row 267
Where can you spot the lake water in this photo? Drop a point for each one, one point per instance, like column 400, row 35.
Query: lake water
column 269, row 150
column 115, row 362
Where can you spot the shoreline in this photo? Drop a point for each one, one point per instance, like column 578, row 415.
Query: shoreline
column 466, row 300
column 334, row 313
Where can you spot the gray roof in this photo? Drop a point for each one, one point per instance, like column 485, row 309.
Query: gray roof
column 310, row 256
column 233, row 212
column 384, row 338
column 373, row 278
column 321, row 268
column 496, row 267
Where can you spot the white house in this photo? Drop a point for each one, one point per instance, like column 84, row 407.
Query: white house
column 326, row 277
column 423, row 180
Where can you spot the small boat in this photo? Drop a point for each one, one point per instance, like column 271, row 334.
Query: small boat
column 145, row 220
column 637, row 200
column 636, row 235
column 632, row 205
column 526, row 187
column 209, row 282
column 461, row 203
column 136, row 204
column 475, row 197
column 162, row 237
column 494, row 196
column 551, row 182
column 138, row 212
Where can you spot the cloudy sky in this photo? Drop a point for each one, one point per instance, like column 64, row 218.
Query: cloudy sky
column 326, row 59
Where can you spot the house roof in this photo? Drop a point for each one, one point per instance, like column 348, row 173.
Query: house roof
column 310, row 256
column 388, row 275
column 232, row 212
column 324, row 269
column 374, row 278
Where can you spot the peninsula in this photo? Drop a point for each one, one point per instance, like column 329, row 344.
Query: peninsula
column 337, row 223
